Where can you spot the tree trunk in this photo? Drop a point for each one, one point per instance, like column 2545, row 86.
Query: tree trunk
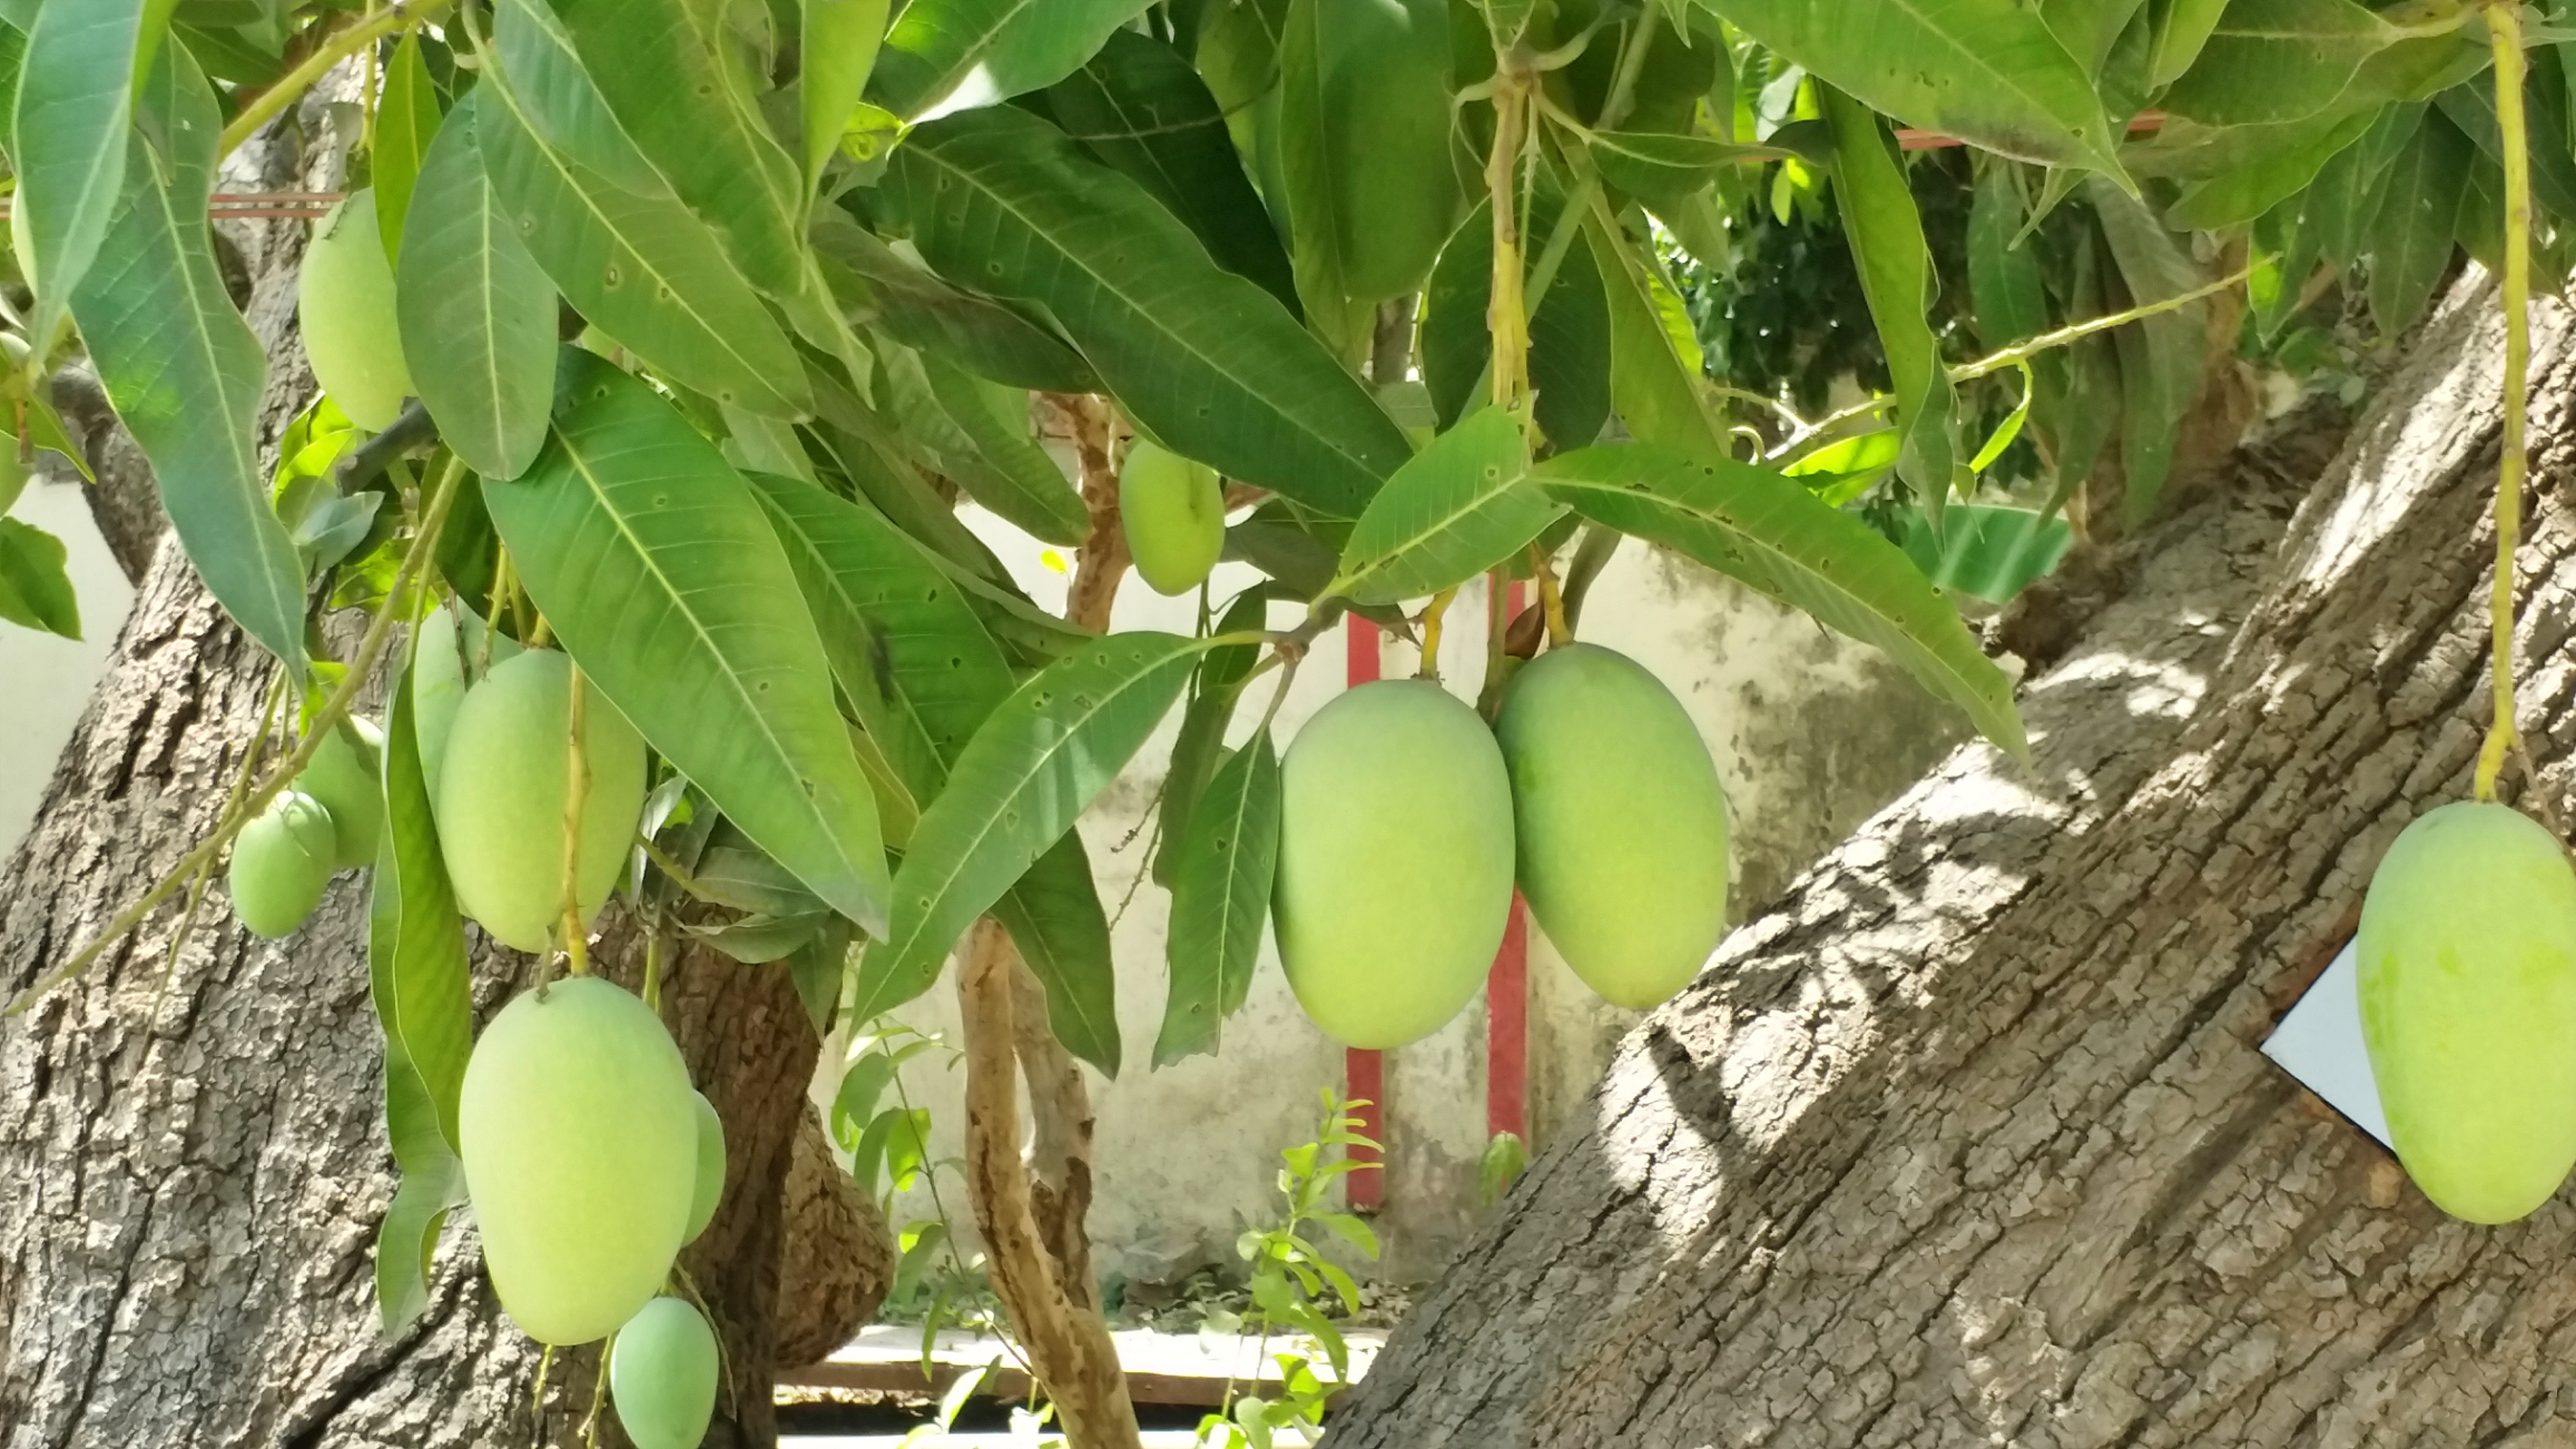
column 192, row 1165
column 1968, row 1141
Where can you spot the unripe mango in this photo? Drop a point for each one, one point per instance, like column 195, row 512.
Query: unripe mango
column 1620, row 821
column 447, row 648
column 580, row 1150
column 1395, row 861
column 662, row 1376
column 501, row 798
column 345, row 309
column 1173, row 513
column 281, row 864
column 711, row 1168
column 346, row 774
column 2468, row 1006
column 1382, row 75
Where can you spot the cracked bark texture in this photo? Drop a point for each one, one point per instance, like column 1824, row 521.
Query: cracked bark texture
column 192, row 1165
column 1968, row 1140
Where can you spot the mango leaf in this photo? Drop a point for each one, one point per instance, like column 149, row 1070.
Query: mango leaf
column 407, row 116
column 76, row 91
column 2417, row 215
column 559, row 102
column 999, row 465
column 2233, row 198
column 182, row 368
column 1654, row 382
column 1220, row 900
column 2088, row 28
column 690, row 110
column 1032, row 768
column 657, row 568
column 2283, row 249
column 2182, row 28
column 1055, row 918
column 477, row 313
column 1886, row 236
column 1569, row 357
column 1987, row 550
column 1986, row 71
column 1769, row 533
column 35, row 591
column 649, row 273
column 952, row 55
column 920, row 309
column 2004, row 286
column 419, row 980
column 1660, row 168
column 1139, row 107
column 1298, row 130
column 1211, row 708
column 2471, row 107
column 838, row 50
column 1207, row 363
column 2161, row 357
column 2278, row 60
column 1462, row 505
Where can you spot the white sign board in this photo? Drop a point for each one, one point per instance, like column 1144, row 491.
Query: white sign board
column 2319, row 1043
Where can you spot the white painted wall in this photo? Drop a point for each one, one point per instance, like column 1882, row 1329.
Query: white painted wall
column 45, row 681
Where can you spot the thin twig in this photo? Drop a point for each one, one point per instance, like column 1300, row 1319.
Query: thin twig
column 576, row 795
column 2504, row 27
column 289, row 87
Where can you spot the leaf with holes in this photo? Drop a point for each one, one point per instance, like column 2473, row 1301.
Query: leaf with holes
column 1766, row 531
column 1036, row 764
column 659, row 571
column 1463, row 505
column 1220, row 900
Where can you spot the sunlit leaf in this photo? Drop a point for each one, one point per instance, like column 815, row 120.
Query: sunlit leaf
column 76, row 91
column 952, row 55
column 1990, row 551
column 837, row 53
column 1659, row 168
column 1462, row 505
column 35, row 591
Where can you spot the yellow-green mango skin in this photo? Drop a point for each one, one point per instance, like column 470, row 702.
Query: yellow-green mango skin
column 1173, row 513
column 1383, row 66
column 2468, row 1006
column 711, row 1168
column 580, row 1145
column 345, row 309
column 1395, row 862
column 347, row 775
column 662, row 1376
column 501, row 798
column 281, row 864
column 1620, row 820
column 446, row 649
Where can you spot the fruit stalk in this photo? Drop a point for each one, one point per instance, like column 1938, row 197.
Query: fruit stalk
column 576, row 795
column 370, row 649
column 288, row 87
column 1505, row 317
column 2504, row 31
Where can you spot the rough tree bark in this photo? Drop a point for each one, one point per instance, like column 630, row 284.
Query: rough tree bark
column 1968, row 1140
column 191, row 1163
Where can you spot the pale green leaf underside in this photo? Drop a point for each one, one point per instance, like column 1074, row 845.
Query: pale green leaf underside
column 1772, row 534
column 952, row 55
column 1460, row 507
column 654, row 563
column 839, row 50
column 69, row 136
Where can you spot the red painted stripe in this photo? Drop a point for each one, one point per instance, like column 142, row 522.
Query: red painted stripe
column 1507, row 994
column 1364, row 1072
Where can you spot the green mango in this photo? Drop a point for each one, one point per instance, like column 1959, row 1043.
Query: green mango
column 281, row 864
column 345, row 309
column 346, row 774
column 1620, row 821
column 449, row 647
column 580, row 1147
column 1395, row 861
column 1173, row 513
column 501, row 799
column 1382, row 105
column 711, row 1169
column 662, row 1376
column 2467, row 957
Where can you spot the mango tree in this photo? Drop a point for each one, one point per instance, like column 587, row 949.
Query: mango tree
column 658, row 347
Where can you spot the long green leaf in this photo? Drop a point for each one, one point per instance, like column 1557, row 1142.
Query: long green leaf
column 419, row 980
column 2417, row 215
column 35, row 591
column 1886, row 236
column 1036, row 764
column 559, row 102
column 1986, row 71
column 182, row 368
column 1989, row 551
column 920, row 309
column 1220, row 900
column 407, row 118
column 1203, row 723
column 2278, row 60
column 2232, row 198
column 76, row 91
column 477, row 313
column 837, row 53
column 2161, row 357
column 1569, row 355
column 1055, row 917
column 2182, row 28
column 1653, row 384
column 663, row 68
column 1302, row 140
column 2471, row 107
column 649, row 273
column 1660, row 168
column 654, row 563
column 1139, row 107
column 1770, row 533
column 1462, row 505
column 1202, row 359
column 953, row 55
column 1000, row 467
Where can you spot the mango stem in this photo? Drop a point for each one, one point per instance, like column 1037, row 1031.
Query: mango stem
column 1432, row 614
column 2504, row 29
column 576, row 794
